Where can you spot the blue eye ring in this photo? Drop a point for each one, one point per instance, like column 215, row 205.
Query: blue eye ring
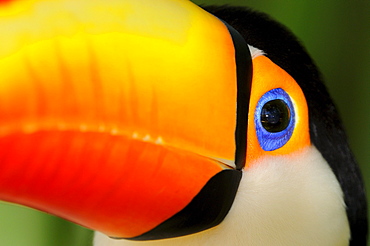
column 269, row 140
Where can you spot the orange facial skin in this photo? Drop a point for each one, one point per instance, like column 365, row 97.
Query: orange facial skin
column 268, row 76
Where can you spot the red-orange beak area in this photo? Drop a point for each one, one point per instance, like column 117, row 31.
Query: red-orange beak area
column 118, row 115
column 121, row 186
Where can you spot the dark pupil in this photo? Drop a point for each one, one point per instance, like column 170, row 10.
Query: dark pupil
column 275, row 116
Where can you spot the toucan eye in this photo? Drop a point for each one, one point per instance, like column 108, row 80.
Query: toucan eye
column 275, row 116
column 274, row 119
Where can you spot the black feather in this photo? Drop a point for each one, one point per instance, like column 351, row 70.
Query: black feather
column 326, row 129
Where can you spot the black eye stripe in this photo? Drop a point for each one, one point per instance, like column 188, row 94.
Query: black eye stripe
column 244, row 71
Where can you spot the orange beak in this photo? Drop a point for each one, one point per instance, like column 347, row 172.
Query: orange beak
column 118, row 115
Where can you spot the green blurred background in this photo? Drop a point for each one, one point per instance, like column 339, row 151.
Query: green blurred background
column 337, row 35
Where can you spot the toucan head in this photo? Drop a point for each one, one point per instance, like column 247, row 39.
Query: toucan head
column 139, row 119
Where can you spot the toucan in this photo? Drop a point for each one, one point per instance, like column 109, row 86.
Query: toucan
column 165, row 123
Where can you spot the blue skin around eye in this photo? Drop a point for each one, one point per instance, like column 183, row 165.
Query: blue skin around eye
column 273, row 140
